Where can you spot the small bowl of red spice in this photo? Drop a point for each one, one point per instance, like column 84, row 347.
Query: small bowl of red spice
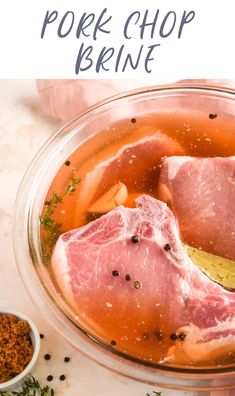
column 19, row 348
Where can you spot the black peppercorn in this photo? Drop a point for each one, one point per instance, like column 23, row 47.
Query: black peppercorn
column 47, row 356
column 212, row 116
column 113, row 342
column 128, row 277
column 67, row 163
column 135, row 239
column 167, row 247
column 133, row 120
column 173, row 337
column 50, row 378
column 66, row 359
column 41, row 335
column 115, row 273
column 62, row 377
column 181, row 336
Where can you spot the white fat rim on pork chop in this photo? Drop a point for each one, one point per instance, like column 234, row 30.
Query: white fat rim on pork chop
column 194, row 349
column 156, row 136
column 61, row 270
column 174, row 163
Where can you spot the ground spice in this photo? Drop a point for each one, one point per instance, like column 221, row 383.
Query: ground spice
column 16, row 348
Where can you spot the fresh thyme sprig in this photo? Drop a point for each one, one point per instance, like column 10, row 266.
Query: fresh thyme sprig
column 50, row 226
column 31, row 387
column 154, row 393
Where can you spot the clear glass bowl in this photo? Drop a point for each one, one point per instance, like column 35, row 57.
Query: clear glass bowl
column 31, row 196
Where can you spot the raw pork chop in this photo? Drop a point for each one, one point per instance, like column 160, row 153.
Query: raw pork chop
column 201, row 193
column 83, row 261
column 138, row 163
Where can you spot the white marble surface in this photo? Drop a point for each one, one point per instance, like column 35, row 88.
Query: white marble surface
column 23, row 129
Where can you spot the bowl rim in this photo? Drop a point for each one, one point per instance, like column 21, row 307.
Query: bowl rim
column 48, row 148
column 36, row 348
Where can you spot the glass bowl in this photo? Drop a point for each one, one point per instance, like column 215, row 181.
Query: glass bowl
column 29, row 203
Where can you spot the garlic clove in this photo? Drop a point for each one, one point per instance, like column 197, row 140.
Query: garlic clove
column 115, row 196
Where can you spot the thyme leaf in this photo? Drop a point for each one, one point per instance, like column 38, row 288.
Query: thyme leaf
column 154, row 393
column 49, row 225
column 31, row 387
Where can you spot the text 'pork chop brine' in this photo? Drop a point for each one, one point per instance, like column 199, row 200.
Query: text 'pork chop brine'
column 138, row 235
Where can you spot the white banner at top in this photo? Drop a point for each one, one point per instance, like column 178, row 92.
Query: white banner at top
column 161, row 39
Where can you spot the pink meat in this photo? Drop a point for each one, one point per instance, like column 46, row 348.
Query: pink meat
column 83, row 261
column 138, row 162
column 201, row 193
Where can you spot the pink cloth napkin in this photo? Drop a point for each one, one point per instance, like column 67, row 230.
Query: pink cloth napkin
column 63, row 99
